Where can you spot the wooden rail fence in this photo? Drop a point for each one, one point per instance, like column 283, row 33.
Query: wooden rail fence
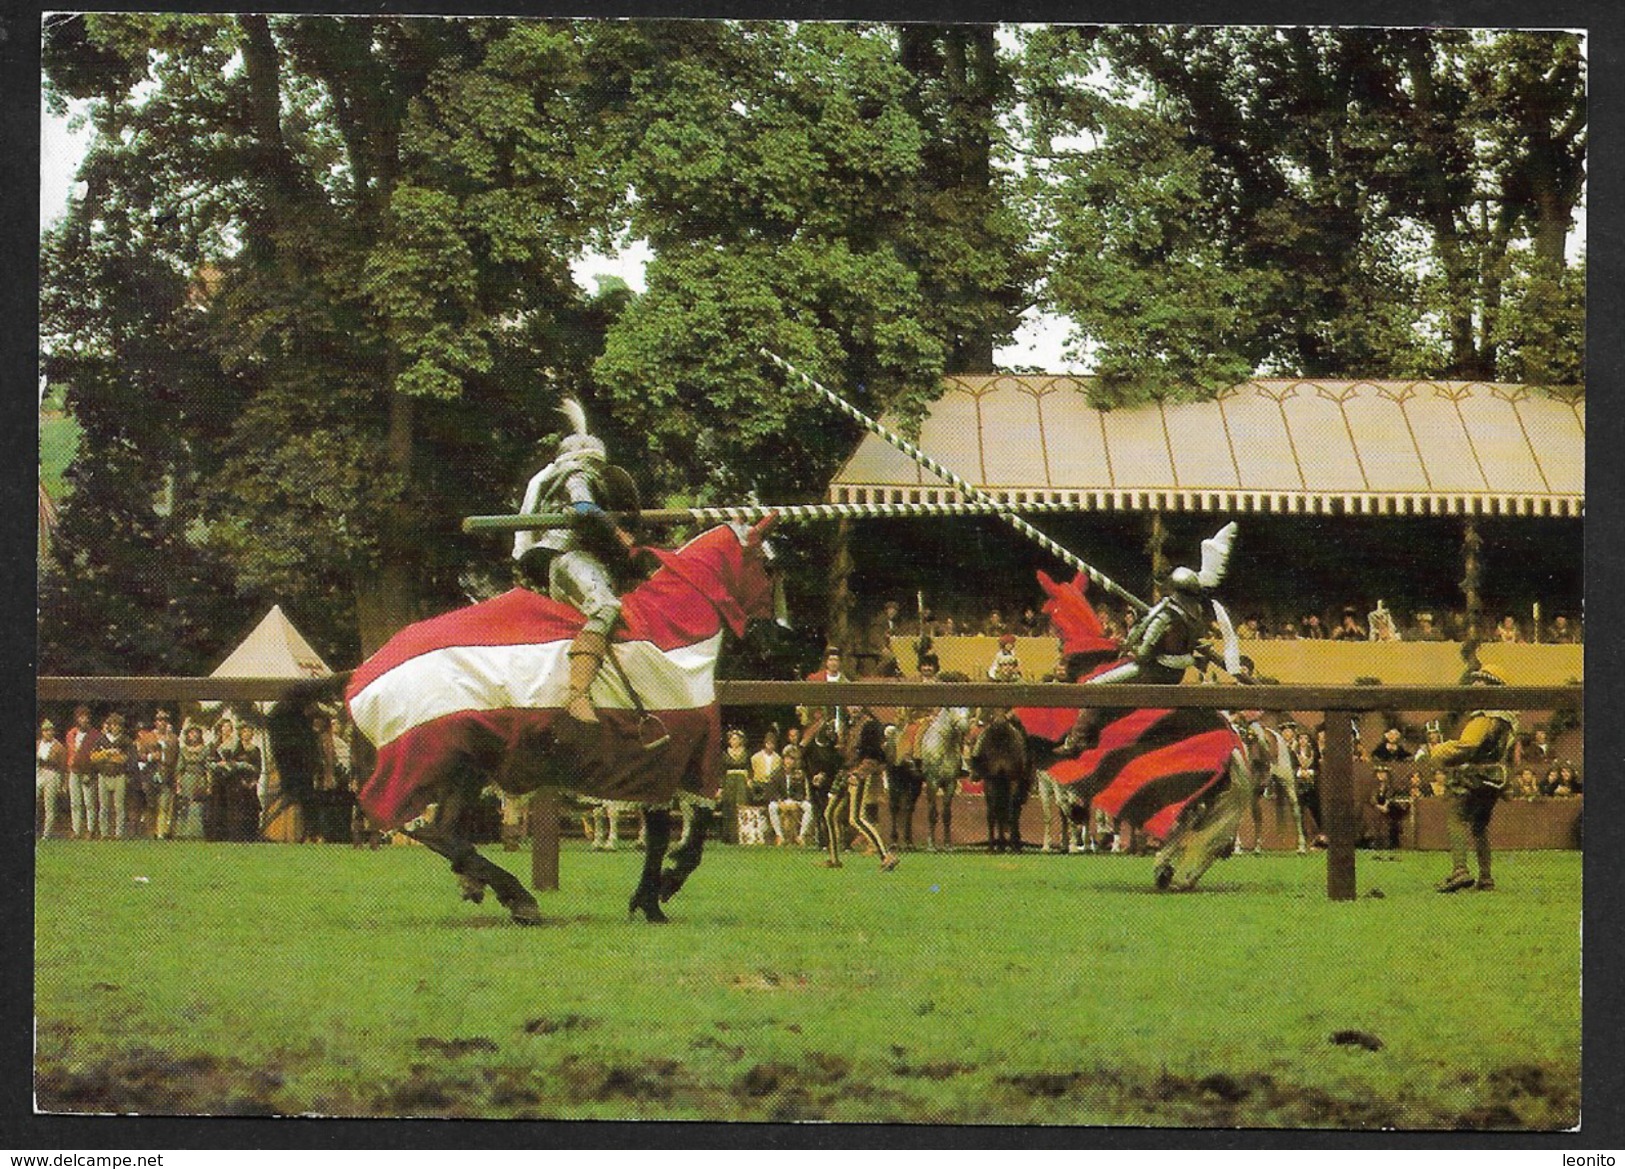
column 1339, row 705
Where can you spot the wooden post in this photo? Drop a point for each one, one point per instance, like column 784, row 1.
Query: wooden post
column 1156, row 545
column 1472, row 575
column 840, row 591
column 1337, row 804
column 544, row 839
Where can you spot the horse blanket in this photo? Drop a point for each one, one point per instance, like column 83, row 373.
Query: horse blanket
column 482, row 687
column 1147, row 764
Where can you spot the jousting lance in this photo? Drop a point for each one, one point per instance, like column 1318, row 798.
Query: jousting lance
column 965, row 488
column 750, row 513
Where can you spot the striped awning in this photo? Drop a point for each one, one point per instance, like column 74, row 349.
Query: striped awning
column 1276, row 445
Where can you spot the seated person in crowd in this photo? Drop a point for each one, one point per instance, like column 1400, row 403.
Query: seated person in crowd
column 995, row 626
column 1568, row 780
column 1508, row 631
column 1349, row 629
column 1312, row 630
column 1005, row 667
column 795, row 805
column 1426, row 629
column 1563, row 632
column 1524, row 785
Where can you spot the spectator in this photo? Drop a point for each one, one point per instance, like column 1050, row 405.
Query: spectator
column 1508, row 632
column 243, row 807
column 1436, row 784
column 735, row 783
column 221, row 779
column 1288, row 631
column 1392, row 748
column 1350, row 628
column 1033, row 623
column 1306, row 755
column 1568, row 780
column 1312, row 628
column 113, row 757
column 162, row 758
column 1525, row 786
column 877, row 643
column 50, row 773
column 83, row 802
column 1005, row 667
column 797, row 798
column 767, row 782
column 995, row 626
column 813, row 717
column 1537, row 750
column 1562, row 632
column 191, row 783
column 1394, row 803
column 1425, row 629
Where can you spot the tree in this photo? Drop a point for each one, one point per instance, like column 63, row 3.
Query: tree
column 1320, row 202
column 388, row 209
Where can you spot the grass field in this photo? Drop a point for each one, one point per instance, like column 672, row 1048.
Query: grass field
column 959, row 989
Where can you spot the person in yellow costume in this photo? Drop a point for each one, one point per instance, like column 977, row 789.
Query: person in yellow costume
column 1475, row 768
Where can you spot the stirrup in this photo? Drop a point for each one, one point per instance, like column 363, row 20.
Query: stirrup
column 652, row 733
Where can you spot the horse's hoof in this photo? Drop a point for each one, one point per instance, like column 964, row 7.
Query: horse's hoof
column 890, row 863
column 473, row 890
column 1164, row 876
column 525, row 914
column 649, row 902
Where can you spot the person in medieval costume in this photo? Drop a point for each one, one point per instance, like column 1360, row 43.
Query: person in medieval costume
column 1167, row 640
column 585, row 563
column 1475, row 770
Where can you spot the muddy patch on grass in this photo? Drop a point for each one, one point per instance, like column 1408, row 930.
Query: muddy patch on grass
column 148, row 1082
column 647, row 1079
column 543, row 1025
column 452, row 1048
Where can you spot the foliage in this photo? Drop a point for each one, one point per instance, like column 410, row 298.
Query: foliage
column 356, row 983
column 1318, row 202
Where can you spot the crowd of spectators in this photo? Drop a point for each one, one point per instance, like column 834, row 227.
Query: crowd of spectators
column 206, row 780
column 1348, row 622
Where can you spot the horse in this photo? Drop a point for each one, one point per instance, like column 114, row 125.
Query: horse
column 931, row 761
column 1176, row 775
column 999, row 760
column 1275, row 770
column 476, row 696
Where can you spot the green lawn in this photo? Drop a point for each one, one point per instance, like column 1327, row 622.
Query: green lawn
column 958, row 989
column 58, row 439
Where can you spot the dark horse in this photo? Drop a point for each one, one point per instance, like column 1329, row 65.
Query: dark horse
column 1000, row 761
column 475, row 696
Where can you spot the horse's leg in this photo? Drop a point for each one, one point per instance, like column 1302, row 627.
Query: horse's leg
column 657, row 834
column 992, row 797
column 685, row 858
column 472, row 870
column 931, row 795
column 946, row 792
column 1297, row 814
column 894, row 806
column 1049, row 801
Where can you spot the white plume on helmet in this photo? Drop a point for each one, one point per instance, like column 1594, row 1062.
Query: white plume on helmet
column 579, row 446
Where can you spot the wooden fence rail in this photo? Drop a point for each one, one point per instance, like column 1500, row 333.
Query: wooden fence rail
column 1340, row 705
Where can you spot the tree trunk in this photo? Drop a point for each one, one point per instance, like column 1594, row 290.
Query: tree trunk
column 389, row 596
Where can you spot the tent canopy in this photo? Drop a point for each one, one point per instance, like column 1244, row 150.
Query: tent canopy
column 1277, row 445
column 275, row 649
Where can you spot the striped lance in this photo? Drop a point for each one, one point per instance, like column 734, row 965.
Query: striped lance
column 966, row 488
column 750, row 513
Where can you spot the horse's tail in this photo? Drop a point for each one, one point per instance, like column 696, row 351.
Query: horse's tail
column 294, row 747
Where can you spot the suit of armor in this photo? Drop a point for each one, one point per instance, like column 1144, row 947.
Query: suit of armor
column 1162, row 644
column 576, row 558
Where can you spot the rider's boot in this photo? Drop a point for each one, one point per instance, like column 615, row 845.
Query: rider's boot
column 586, row 655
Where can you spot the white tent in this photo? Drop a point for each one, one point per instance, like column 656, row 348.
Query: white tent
column 275, row 649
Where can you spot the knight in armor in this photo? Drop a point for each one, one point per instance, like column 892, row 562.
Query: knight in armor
column 1475, row 768
column 1164, row 642
column 584, row 564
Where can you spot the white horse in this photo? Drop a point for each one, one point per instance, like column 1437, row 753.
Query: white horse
column 1275, row 770
column 934, row 762
column 1068, row 824
column 601, row 819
